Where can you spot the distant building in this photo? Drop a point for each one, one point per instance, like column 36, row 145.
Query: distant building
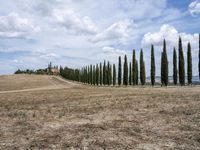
column 53, row 70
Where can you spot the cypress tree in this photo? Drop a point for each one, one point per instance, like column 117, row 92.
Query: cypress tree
column 61, row 71
column 108, row 73
column 119, row 71
column 161, row 70
column 91, row 77
column 189, row 64
column 164, row 65
column 101, row 74
column 130, row 74
column 134, row 74
column 88, row 74
column 82, row 75
column 104, row 72
column 125, row 78
column 114, row 75
column 142, row 69
column 94, row 75
column 181, row 64
column 199, row 56
column 175, row 71
column 153, row 68
column 97, row 74
column 85, row 75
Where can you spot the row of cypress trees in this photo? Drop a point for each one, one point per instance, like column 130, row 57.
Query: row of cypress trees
column 106, row 74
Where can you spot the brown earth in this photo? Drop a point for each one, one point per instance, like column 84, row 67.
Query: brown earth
column 46, row 112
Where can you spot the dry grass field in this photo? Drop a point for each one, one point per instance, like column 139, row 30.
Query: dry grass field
column 44, row 112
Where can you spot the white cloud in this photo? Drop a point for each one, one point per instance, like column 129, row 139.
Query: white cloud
column 171, row 35
column 166, row 31
column 73, row 22
column 13, row 26
column 49, row 56
column 111, row 53
column 194, row 8
column 112, row 50
column 118, row 31
column 44, row 54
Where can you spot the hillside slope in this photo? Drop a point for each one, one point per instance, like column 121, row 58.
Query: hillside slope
column 28, row 82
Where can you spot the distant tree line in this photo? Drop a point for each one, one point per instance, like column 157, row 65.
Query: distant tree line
column 50, row 70
column 134, row 73
column 28, row 71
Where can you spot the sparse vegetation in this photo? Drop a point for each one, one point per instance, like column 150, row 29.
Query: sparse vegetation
column 76, row 116
column 17, row 114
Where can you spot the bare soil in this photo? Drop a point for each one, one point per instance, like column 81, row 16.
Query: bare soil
column 76, row 116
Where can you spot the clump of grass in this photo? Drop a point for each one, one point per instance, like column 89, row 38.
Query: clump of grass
column 48, row 110
column 186, row 111
column 186, row 127
column 61, row 114
column 34, row 115
column 36, row 144
column 17, row 114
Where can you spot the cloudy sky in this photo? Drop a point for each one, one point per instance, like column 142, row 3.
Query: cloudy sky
column 75, row 33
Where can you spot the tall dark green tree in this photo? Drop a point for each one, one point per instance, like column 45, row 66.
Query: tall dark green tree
column 84, row 74
column 161, row 70
column 125, row 78
column 199, row 56
column 189, row 64
column 175, row 70
column 164, row 64
column 130, row 74
column 104, row 72
column 88, row 74
column 181, row 64
column 137, row 72
column 101, row 77
column 91, row 75
column 142, row 69
column 119, row 71
column 97, row 74
column 114, row 75
column 134, row 68
column 153, row 67
column 108, row 73
column 94, row 75
column 61, row 71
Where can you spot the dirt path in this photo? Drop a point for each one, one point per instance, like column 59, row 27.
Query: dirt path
column 55, row 85
column 66, row 81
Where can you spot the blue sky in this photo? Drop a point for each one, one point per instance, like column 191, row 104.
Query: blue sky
column 75, row 33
